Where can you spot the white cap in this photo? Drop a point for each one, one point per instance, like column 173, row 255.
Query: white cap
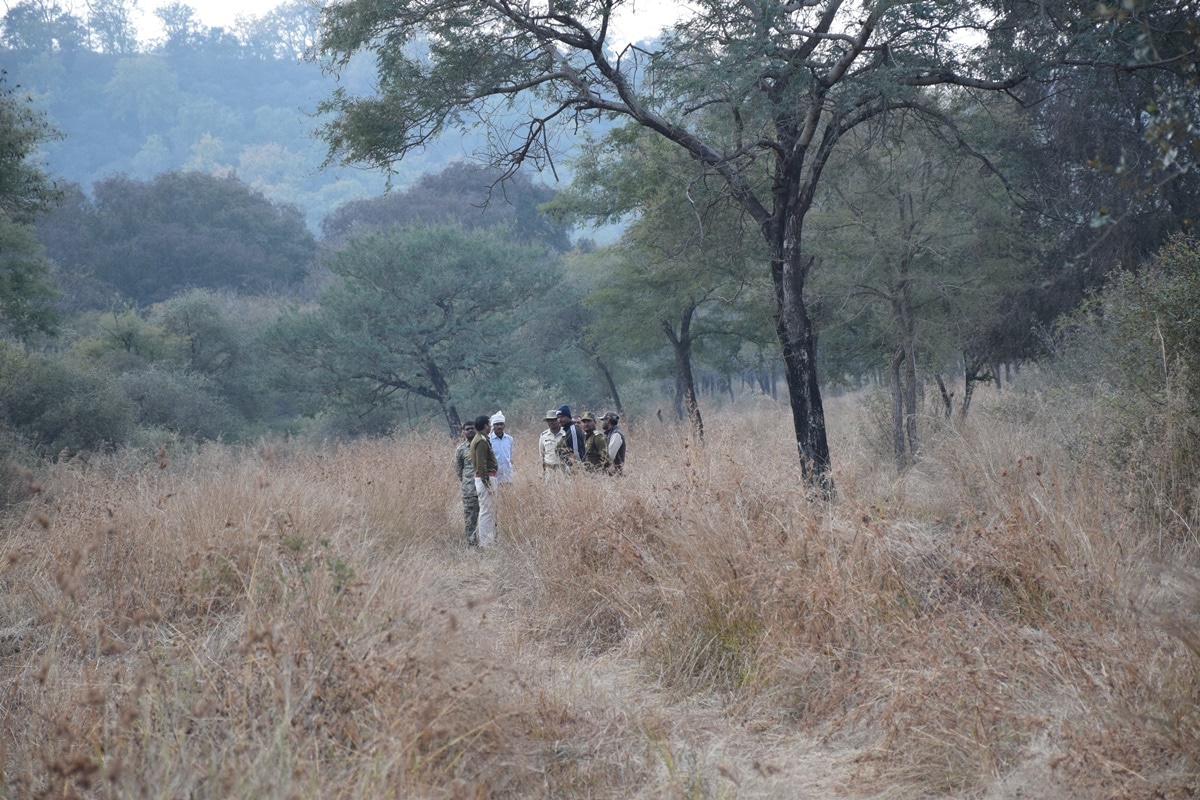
column 498, row 417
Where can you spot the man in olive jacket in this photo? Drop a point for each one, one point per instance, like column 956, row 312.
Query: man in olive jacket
column 595, row 446
column 484, row 461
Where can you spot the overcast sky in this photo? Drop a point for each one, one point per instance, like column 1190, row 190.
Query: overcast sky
column 639, row 18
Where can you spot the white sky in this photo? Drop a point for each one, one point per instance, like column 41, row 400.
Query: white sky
column 211, row 13
column 639, row 18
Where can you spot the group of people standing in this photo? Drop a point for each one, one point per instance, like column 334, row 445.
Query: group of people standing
column 483, row 460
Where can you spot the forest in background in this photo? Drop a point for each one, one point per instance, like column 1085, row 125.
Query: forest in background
column 236, row 101
column 166, row 282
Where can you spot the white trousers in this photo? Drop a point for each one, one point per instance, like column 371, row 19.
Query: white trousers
column 486, row 492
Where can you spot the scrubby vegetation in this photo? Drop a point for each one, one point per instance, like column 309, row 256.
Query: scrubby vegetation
column 286, row 621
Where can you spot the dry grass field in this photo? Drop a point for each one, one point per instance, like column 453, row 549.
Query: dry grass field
column 292, row 622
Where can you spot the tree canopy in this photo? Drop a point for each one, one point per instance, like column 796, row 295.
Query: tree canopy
column 750, row 89
column 462, row 193
column 26, row 191
column 687, row 272
column 413, row 312
column 151, row 239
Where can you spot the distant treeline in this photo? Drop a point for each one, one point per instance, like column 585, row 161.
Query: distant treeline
column 228, row 102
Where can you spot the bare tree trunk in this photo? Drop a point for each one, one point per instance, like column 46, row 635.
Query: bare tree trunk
column 612, row 384
column 594, row 356
column 451, row 413
column 975, row 372
column 910, row 393
column 895, row 390
column 947, row 397
column 441, row 389
column 685, row 382
column 798, row 339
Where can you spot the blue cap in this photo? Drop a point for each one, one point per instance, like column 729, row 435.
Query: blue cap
column 564, row 411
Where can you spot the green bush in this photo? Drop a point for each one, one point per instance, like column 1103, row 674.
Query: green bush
column 16, row 458
column 179, row 402
column 60, row 405
column 220, row 336
column 1136, row 346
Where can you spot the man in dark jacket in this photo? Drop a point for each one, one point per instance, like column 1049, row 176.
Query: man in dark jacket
column 573, row 442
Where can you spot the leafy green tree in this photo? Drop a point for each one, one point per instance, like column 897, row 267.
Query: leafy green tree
column 923, row 247
column 1161, row 40
column 1083, row 173
column 61, row 405
column 463, row 193
column 1102, row 167
column 112, row 27
column 180, row 26
column 287, row 31
column 786, row 82
column 43, row 26
column 684, row 271
column 152, row 239
column 27, row 290
column 414, row 312
column 123, row 340
column 554, row 353
column 194, row 364
column 26, row 191
column 143, row 93
column 221, row 336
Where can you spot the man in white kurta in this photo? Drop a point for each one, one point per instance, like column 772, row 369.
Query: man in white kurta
column 502, row 446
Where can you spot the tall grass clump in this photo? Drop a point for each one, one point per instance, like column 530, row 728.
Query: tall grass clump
column 245, row 624
column 300, row 621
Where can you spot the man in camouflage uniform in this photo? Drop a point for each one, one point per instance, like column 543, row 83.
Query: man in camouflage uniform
column 464, row 469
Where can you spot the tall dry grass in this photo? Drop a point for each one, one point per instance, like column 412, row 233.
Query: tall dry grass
column 293, row 622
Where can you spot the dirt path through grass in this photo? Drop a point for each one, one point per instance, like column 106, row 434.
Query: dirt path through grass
column 624, row 723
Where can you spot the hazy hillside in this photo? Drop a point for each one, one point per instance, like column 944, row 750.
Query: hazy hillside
column 208, row 108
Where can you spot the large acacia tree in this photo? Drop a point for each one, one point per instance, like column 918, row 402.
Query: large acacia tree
column 742, row 86
column 414, row 312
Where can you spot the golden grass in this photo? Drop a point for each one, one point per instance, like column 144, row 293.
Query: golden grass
column 290, row 622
